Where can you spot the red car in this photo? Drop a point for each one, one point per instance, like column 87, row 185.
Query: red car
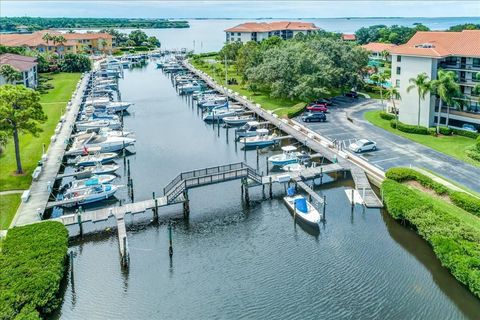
column 317, row 107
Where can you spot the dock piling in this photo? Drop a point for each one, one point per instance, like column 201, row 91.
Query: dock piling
column 170, row 248
column 257, row 159
column 71, row 268
column 186, row 205
column 270, row 188
column 79, row 220
column 353, row 197
column 324, row 205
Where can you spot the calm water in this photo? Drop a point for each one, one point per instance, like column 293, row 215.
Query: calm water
column 208, row 35
column 234, row 262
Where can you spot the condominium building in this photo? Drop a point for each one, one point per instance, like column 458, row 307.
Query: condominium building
column 427, row 52
column 27, row 66
column 379, row 50
column 258, row 31
column 73, row 42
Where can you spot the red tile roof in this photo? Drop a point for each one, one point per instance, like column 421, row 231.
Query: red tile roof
column 349, row 37
column 441, row 44
column 273, row 26
column 378, row 46
column 35, row 39
column 18, row 62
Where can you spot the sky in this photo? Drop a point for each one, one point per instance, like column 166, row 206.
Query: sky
column 240, row 9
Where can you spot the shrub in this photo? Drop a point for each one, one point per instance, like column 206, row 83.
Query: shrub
column 446, row 131
column 408, row 128
column 32, row 265
column 454, row 238
column 465, row 133
column 477, row 144
column 295, row 110
column 387, row 116
column 432, row 131
column 406, row 174
column 473, row 154
column 466, row 202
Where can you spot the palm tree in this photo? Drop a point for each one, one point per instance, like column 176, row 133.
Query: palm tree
column 61, row 39
column 423, row 86
column 447, row 90
column 393, row 94
column 47, row 37
column 10, row 74
column 379, row 79
column 104, row 44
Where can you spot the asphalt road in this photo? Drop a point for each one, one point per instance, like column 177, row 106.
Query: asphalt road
column 392, row 150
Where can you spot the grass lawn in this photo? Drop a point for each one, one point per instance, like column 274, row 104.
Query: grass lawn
column 53, row 102
column 454, row 146
column 8, row 206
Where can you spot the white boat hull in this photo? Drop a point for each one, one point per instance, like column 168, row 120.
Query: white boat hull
column 312, row 217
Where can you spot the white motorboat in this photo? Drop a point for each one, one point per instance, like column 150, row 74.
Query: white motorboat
column 301, row 209
column 248, row 130
column 98, row 169
column 90, row 195
column 293, row 167
column 107, row 132
column 219, row 114
column 238, row 120
column 97, row 101
column 118, row 106
column 212, row 102
column 289, row 155
column 262, row 139
column 99, row 143
column 189, row 87
column 92, row 159
column 86, row 183
column 97, row 124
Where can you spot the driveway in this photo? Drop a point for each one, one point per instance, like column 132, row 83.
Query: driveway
column 393, row 151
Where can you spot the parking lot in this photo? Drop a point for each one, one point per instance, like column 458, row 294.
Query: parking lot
column 392, row 150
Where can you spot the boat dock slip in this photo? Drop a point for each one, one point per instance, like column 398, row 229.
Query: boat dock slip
column 315, row 196
column 309, row 138
column 30, row 211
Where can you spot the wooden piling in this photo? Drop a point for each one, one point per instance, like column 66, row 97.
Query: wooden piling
column 270, row 188
column 170, row 248
column 79, row 220
column 266, row 160
column 71, row 268
column 186, row 205
column 125, row 252
column 257, row 158
column 353, row 199
column 324, row 205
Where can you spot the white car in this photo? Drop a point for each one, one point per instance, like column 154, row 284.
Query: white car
column 363, row 145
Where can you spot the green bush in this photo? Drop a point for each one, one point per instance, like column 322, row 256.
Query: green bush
column 387, row 116
column 477, row 144
column 446, row 131
column 465, row 133
column 466, row 202
column 408, row 128
column 296, row 110
column 455, row 239
column 406, row 174
column 473, row 154
column 432, row 131
column 32, row 265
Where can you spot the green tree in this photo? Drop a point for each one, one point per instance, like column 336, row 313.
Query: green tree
column 393, row 94
column 47, row 37
column 447, row 89
column 154, row 42
column 138, row 37
column 423, row 86
column 379, row 79
column 72, row 62
column 10, row 74
column 20, row 112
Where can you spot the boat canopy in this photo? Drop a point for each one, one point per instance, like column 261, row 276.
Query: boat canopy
column 262, row 131
column 301, row 205
column 91, row 182
column 289, row 148
column 291, row 191
column 253, row 123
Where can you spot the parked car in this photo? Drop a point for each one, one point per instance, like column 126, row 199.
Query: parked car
column 469, row 127
column 351, row 94
column 363, row 145
column 314, row 117
column 317, row 107
column 326, row 101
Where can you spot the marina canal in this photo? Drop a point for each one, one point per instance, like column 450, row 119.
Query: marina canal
column 236, row 261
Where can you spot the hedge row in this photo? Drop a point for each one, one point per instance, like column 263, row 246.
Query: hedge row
column 462, row 200
column 455, row 239
column 32, row 265
column 475, row 155
column 387, row 116
column 409, row 128
column 465, row 133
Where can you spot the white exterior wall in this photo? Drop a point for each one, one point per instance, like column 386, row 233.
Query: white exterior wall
column 247, row 36
column 410, row 67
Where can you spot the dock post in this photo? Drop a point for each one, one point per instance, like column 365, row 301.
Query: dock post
column 131, row 191
column 263, row 191
column 257, row 159
column 155, row 210
column 226, row 136
column 296, row 186
column 125, row 252
column 270, row 188
column 245, row 149
column 321, row 175
column 245, row 186
column 186, row 205
column 71, row 268
column 79, row 220
column 353, row 199
column 324, row 205
column 128, row 169
column 170, row 248
column 266, row 160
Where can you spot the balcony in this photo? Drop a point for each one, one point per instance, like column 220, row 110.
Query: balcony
column 459, row 66
column 474, row 113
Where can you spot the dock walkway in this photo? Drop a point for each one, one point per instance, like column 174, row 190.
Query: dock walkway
column 30, row 211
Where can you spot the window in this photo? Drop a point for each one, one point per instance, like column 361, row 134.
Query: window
column 399, row 58
column 239, row 39
column 476, row 62
column 397, row 83
column 232, row 33
column 238, row 34
column 398, row 70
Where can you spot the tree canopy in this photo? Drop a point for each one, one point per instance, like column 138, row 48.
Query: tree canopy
column 465, row 26
column 394, row 34
column 75, row 63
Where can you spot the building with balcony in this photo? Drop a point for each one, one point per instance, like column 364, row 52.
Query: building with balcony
column 379, row 50
column 258, row 31
column 427, row 52
column 74, row 42
column 27, row 66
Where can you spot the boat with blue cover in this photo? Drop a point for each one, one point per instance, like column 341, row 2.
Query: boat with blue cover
column 301, row 209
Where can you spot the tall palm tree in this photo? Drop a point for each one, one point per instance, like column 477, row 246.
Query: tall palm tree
column 393, row 94
column 379, row 79
column 422, row 84
column 10, row 74
column 47, row 37
column 447, row 89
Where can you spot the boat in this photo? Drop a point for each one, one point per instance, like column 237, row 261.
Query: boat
column 293, row 167
column 219, row 114
column 189, row 87
column 97, row 101
column 90, row 195
column 289, row 155
column 238, row 120
column 118, row 106
column 98, row 168
column 301, row 209
column 248, row 130
column 97, row 124
column 92, row 159
column 107, row 142
column 261, row 139
column 86, row 183
column 200, row 94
